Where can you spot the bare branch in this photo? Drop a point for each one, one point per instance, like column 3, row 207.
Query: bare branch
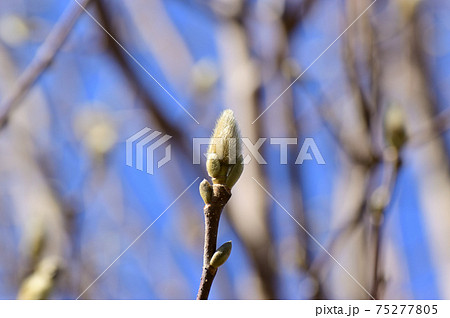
column 212, row 211
column 42, row 60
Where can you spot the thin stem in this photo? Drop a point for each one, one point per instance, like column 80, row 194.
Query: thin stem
column 376, row 274
column 389, row 182
column 212, row 211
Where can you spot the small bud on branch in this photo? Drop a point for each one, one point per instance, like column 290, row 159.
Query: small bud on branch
column 206, row 191
column 221, row 255
column 395, row 127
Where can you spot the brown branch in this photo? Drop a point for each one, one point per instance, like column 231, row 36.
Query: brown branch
column 212, row 211
column 294, row 15
column 440, row 124
column 42, row 60
column 120, row 57
column 354, row 80
column 393, row 164
column 356, row 221
column 431, row 130
column 334, row 127
column 152, row 107
column 233, row 32
column 289, row 22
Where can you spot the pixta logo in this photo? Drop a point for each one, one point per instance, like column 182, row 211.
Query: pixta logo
column 142, row 145
column 146, row 142
column 306, row 152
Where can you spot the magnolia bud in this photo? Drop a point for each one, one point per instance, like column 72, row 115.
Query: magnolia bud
column 226, row 139
column 221, row 255
column 394, row 124
column 225, row 146
column 235, row 173
column 213, row 165
column 204, row 76
column 206, row 191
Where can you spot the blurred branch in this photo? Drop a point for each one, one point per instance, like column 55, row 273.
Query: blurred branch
column 359, row 50
column 290, row 20
column 433, row 176
column 121, row 58
column 42, row 60
column 431, row 129
column 295, row 13
column 441, row 121
column 379, row 201
column 241, row 85
column 180, row 136
column 358, row 208
column 335, row 128
column 36, row 207
column 365, row 106
column 297, row 202
column 159, row 34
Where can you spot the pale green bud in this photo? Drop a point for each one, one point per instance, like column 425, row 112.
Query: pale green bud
column 221, row 255
column 224, row 149
column 206, row 191
column 213, row 165
column 226, row 139
column 395, row 128
column 235, row 173
column 204, row 76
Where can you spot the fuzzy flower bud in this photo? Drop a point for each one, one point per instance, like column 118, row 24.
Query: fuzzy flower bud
column 235, row 173
column 213, row 165
column 225, row 148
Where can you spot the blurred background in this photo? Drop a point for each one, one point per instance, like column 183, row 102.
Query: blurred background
column 69, row 204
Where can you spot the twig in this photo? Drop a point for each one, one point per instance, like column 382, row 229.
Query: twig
column 356, row 220
column 393, row 166
column 233, row 32
column 224, row 170
column 142, row 92
column 376, row 275
column 42, row 59
column 212, row 211
column 290, row 20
